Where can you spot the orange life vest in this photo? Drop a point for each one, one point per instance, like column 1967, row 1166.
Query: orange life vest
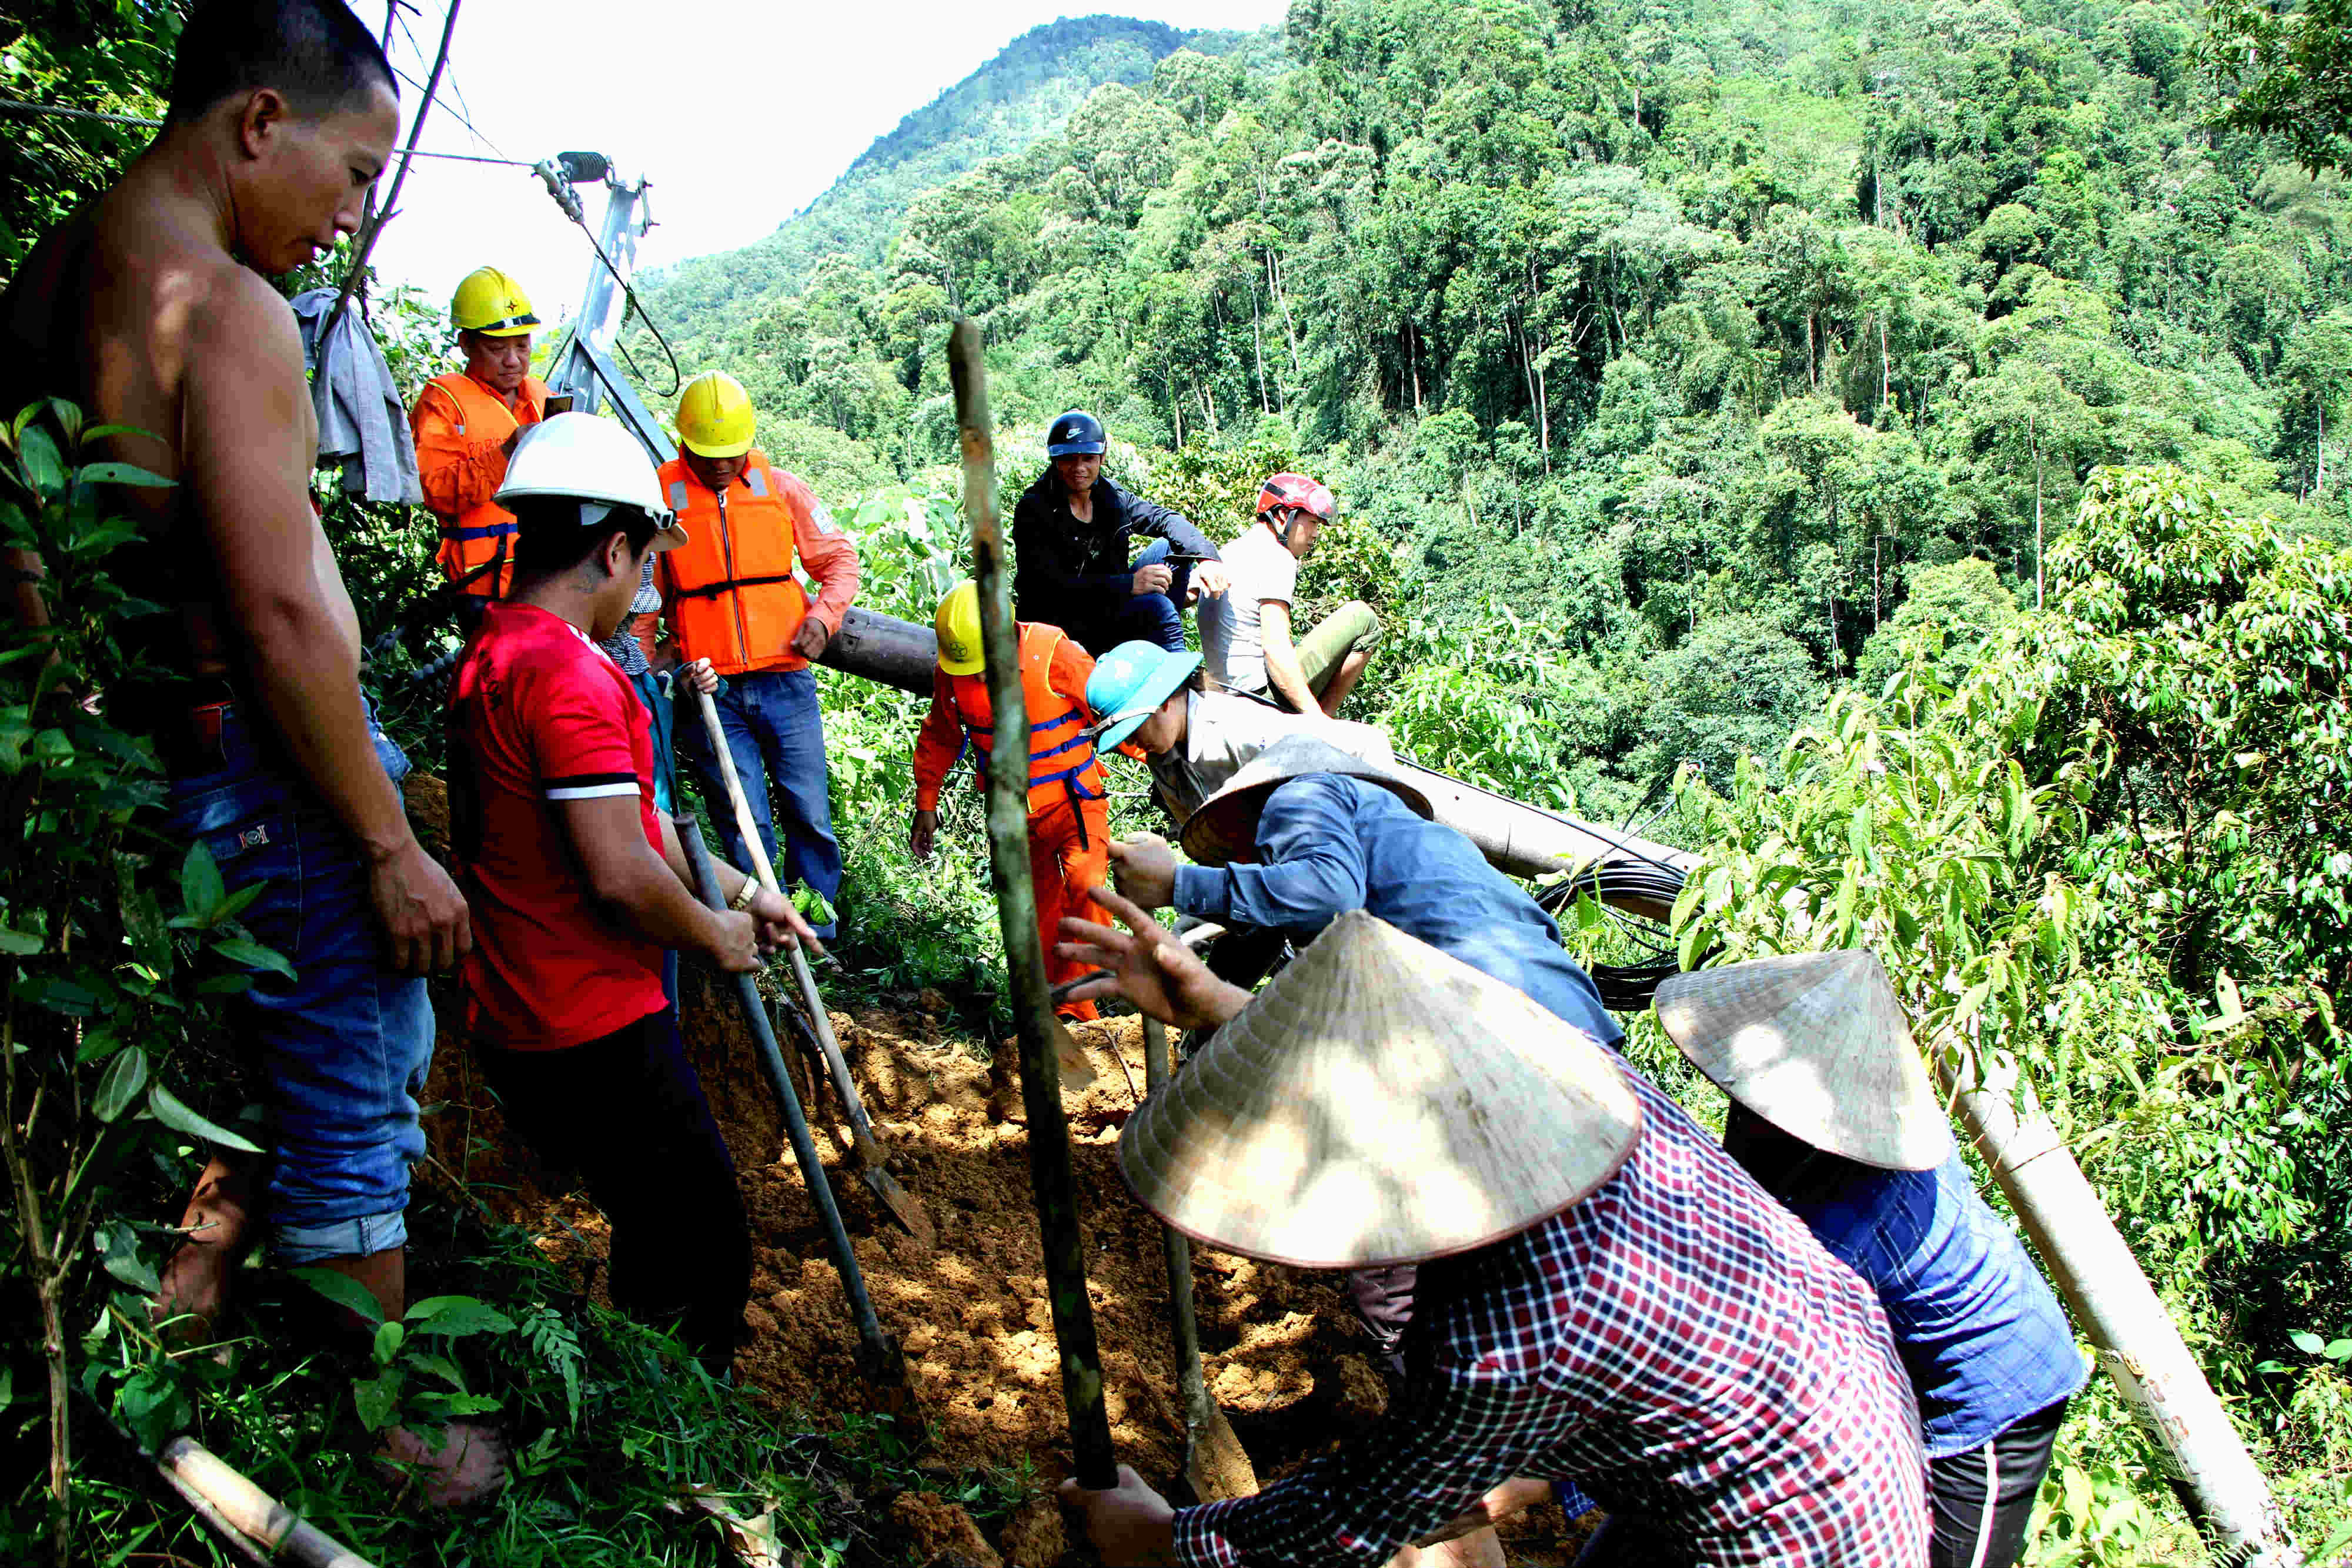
column 734, row 599
column 484, row 533
column 1062, row 761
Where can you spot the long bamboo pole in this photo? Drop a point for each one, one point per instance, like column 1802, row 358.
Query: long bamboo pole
column 256, row 1524
column 390, row 209
column 2139, row 1346
column 1016, row 913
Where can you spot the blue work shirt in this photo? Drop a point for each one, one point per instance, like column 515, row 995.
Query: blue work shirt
column 1977, row 1325
column 1331, row 843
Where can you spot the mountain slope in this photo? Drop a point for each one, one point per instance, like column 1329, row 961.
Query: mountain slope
column 1026, row 92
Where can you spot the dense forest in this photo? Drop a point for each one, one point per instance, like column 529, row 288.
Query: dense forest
column 1698, row 379
column 1890, row 449
column 1696, row 343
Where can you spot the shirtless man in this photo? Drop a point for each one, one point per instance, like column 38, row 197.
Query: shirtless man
column 151, row 309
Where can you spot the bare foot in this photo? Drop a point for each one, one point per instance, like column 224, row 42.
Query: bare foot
column 194, row 1280
column 468, row 1467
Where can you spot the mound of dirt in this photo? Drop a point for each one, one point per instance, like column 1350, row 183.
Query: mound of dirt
column 1283, row 1356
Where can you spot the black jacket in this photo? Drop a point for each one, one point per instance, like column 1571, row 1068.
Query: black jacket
column 1074, row 575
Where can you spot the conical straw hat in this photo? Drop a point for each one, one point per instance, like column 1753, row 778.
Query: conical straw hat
column 1816, row 1044
column 1380, row 1102
column 1224, row 830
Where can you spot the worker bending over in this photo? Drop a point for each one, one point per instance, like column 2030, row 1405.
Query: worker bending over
column 1071, row 533
column 1833, row 1112
column 151, row 309
column 580, row 885
column 1069, row 808
column 1157, row 706
column 466, row 423
column 1245, row 636
column 1606, row 1294
column 731, row 597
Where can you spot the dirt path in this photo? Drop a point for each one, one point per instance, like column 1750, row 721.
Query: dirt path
column 1285, row 1359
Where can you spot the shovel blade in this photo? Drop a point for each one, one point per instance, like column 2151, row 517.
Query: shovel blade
column 1077, row 1072
column 904, row 1205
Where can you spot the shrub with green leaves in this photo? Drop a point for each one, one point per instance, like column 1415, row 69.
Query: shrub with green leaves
column 2119, row 852
column 115, row 943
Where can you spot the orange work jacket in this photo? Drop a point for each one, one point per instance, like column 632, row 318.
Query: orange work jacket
column 459, row 425
column 1062, row 761
column 728, row 592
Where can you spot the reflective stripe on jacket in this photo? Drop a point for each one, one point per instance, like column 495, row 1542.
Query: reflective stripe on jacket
column 1062, row 761
column 728, row 592
column 459, row 425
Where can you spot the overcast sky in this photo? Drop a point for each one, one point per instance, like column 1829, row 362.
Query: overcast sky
column 740, row 112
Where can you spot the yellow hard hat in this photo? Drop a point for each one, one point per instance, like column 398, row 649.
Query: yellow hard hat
column 958, row 624
column 714, row 417
column 490, row 302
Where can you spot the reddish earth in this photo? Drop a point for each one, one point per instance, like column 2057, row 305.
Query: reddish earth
column 1284, row 1357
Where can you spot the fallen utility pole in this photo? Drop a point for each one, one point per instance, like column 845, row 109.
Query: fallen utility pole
column 1517, row 839
column 877, row 1357
column 1016, row 913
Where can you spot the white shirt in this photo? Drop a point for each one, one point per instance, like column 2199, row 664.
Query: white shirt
column 1232, row 646
column 1223, row 732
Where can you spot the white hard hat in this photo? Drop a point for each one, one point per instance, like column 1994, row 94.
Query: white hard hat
column 580, row 458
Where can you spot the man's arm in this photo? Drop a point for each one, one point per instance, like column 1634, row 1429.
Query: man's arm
column 1450, row 1440
column 1282, row 669
column 1313, row 867
column 1165, row 523
column 24, row 600
column 938, row 744
column 249, row 440
column 831, row 556
column 457, row 472
column 777, row 923
column 639, row 890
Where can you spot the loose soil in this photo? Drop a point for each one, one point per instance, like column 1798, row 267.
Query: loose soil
column 1284, row 1357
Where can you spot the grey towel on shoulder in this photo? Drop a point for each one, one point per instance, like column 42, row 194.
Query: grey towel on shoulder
column 361, row 421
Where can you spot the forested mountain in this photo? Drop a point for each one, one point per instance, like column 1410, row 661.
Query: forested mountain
column 1691, row 336
column 1025, row 93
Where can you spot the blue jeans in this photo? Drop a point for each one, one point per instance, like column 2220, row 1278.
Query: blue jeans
column 777, row 738
column 342, row 1048
column 1155, row 618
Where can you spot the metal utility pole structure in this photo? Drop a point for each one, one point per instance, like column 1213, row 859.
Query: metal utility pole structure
column 586, row 372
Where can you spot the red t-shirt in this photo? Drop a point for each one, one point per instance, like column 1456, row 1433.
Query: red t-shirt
column 539, row 714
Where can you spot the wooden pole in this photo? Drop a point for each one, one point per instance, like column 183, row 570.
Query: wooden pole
column 399, row 177
column 256, row 1524
column 1016, row 911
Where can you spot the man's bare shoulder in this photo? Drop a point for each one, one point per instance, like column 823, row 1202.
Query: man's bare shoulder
column 171, row 278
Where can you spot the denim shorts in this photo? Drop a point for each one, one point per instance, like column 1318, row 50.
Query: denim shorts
column 341, row 1049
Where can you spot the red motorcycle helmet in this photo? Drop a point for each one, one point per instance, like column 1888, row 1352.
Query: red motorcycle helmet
column 1309, row 495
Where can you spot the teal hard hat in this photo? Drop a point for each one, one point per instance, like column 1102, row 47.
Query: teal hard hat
column 1129, row 684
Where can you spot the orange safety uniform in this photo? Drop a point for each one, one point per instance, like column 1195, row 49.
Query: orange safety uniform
column 728, row 592
column 1069, row 809
column 459, row 425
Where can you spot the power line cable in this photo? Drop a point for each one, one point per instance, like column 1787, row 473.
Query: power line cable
column 62, row 111
column 391, row 198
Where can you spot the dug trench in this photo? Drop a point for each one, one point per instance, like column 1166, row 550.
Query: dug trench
column 1284, row 1357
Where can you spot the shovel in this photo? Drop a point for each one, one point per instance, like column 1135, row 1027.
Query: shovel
column 872, row 1163
column 1216, row 1467
column 877, row 1357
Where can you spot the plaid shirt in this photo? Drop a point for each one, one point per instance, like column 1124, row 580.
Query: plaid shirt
column 1678, row 1342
